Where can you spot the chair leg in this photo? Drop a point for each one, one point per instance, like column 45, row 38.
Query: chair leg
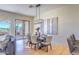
column 31, row 46
column 47, row 48
column 35, row 47
column 50, row 46
column 28, row 43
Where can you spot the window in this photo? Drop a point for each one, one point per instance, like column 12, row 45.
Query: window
column 50, row 26
column 4, row 26
column 18, row 26
column 47, row 26
column 39, row 24
column 22, row 27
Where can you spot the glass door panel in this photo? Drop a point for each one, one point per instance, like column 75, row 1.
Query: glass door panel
column 19, row 27
column 22, row 28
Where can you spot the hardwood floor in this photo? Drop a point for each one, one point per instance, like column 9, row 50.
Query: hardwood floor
column 56, row 50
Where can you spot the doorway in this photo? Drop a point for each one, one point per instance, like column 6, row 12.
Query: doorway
column 22, row 28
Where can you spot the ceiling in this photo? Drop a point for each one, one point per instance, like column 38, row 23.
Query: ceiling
column 25, row 10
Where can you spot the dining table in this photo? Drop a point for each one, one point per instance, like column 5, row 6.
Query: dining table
column 40, row 40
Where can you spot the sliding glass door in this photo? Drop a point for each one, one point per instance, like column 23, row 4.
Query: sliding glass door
column 22, row 28
column 19, row 27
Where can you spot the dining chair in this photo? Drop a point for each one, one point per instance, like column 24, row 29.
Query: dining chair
column 76, row 42
column 29, row 40
column 70, row 44
column 74, row 50
column 34, row 41
column 48, row 42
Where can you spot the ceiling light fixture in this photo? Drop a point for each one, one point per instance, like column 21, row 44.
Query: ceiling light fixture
column 37, row 10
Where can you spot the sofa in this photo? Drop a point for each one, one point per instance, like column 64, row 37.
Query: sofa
column 10, row 48
column 3, row 42
column 7, row 45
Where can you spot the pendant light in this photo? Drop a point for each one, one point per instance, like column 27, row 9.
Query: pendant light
column 38, row 11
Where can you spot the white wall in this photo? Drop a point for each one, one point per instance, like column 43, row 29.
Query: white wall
column 11, row 17
column 68, row 21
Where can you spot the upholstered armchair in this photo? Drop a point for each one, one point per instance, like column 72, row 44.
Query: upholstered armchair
column 74, row 49
column 34, row 41
column 73, row 45
column 75, row 42
column 29, row 40
column 48, row 42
